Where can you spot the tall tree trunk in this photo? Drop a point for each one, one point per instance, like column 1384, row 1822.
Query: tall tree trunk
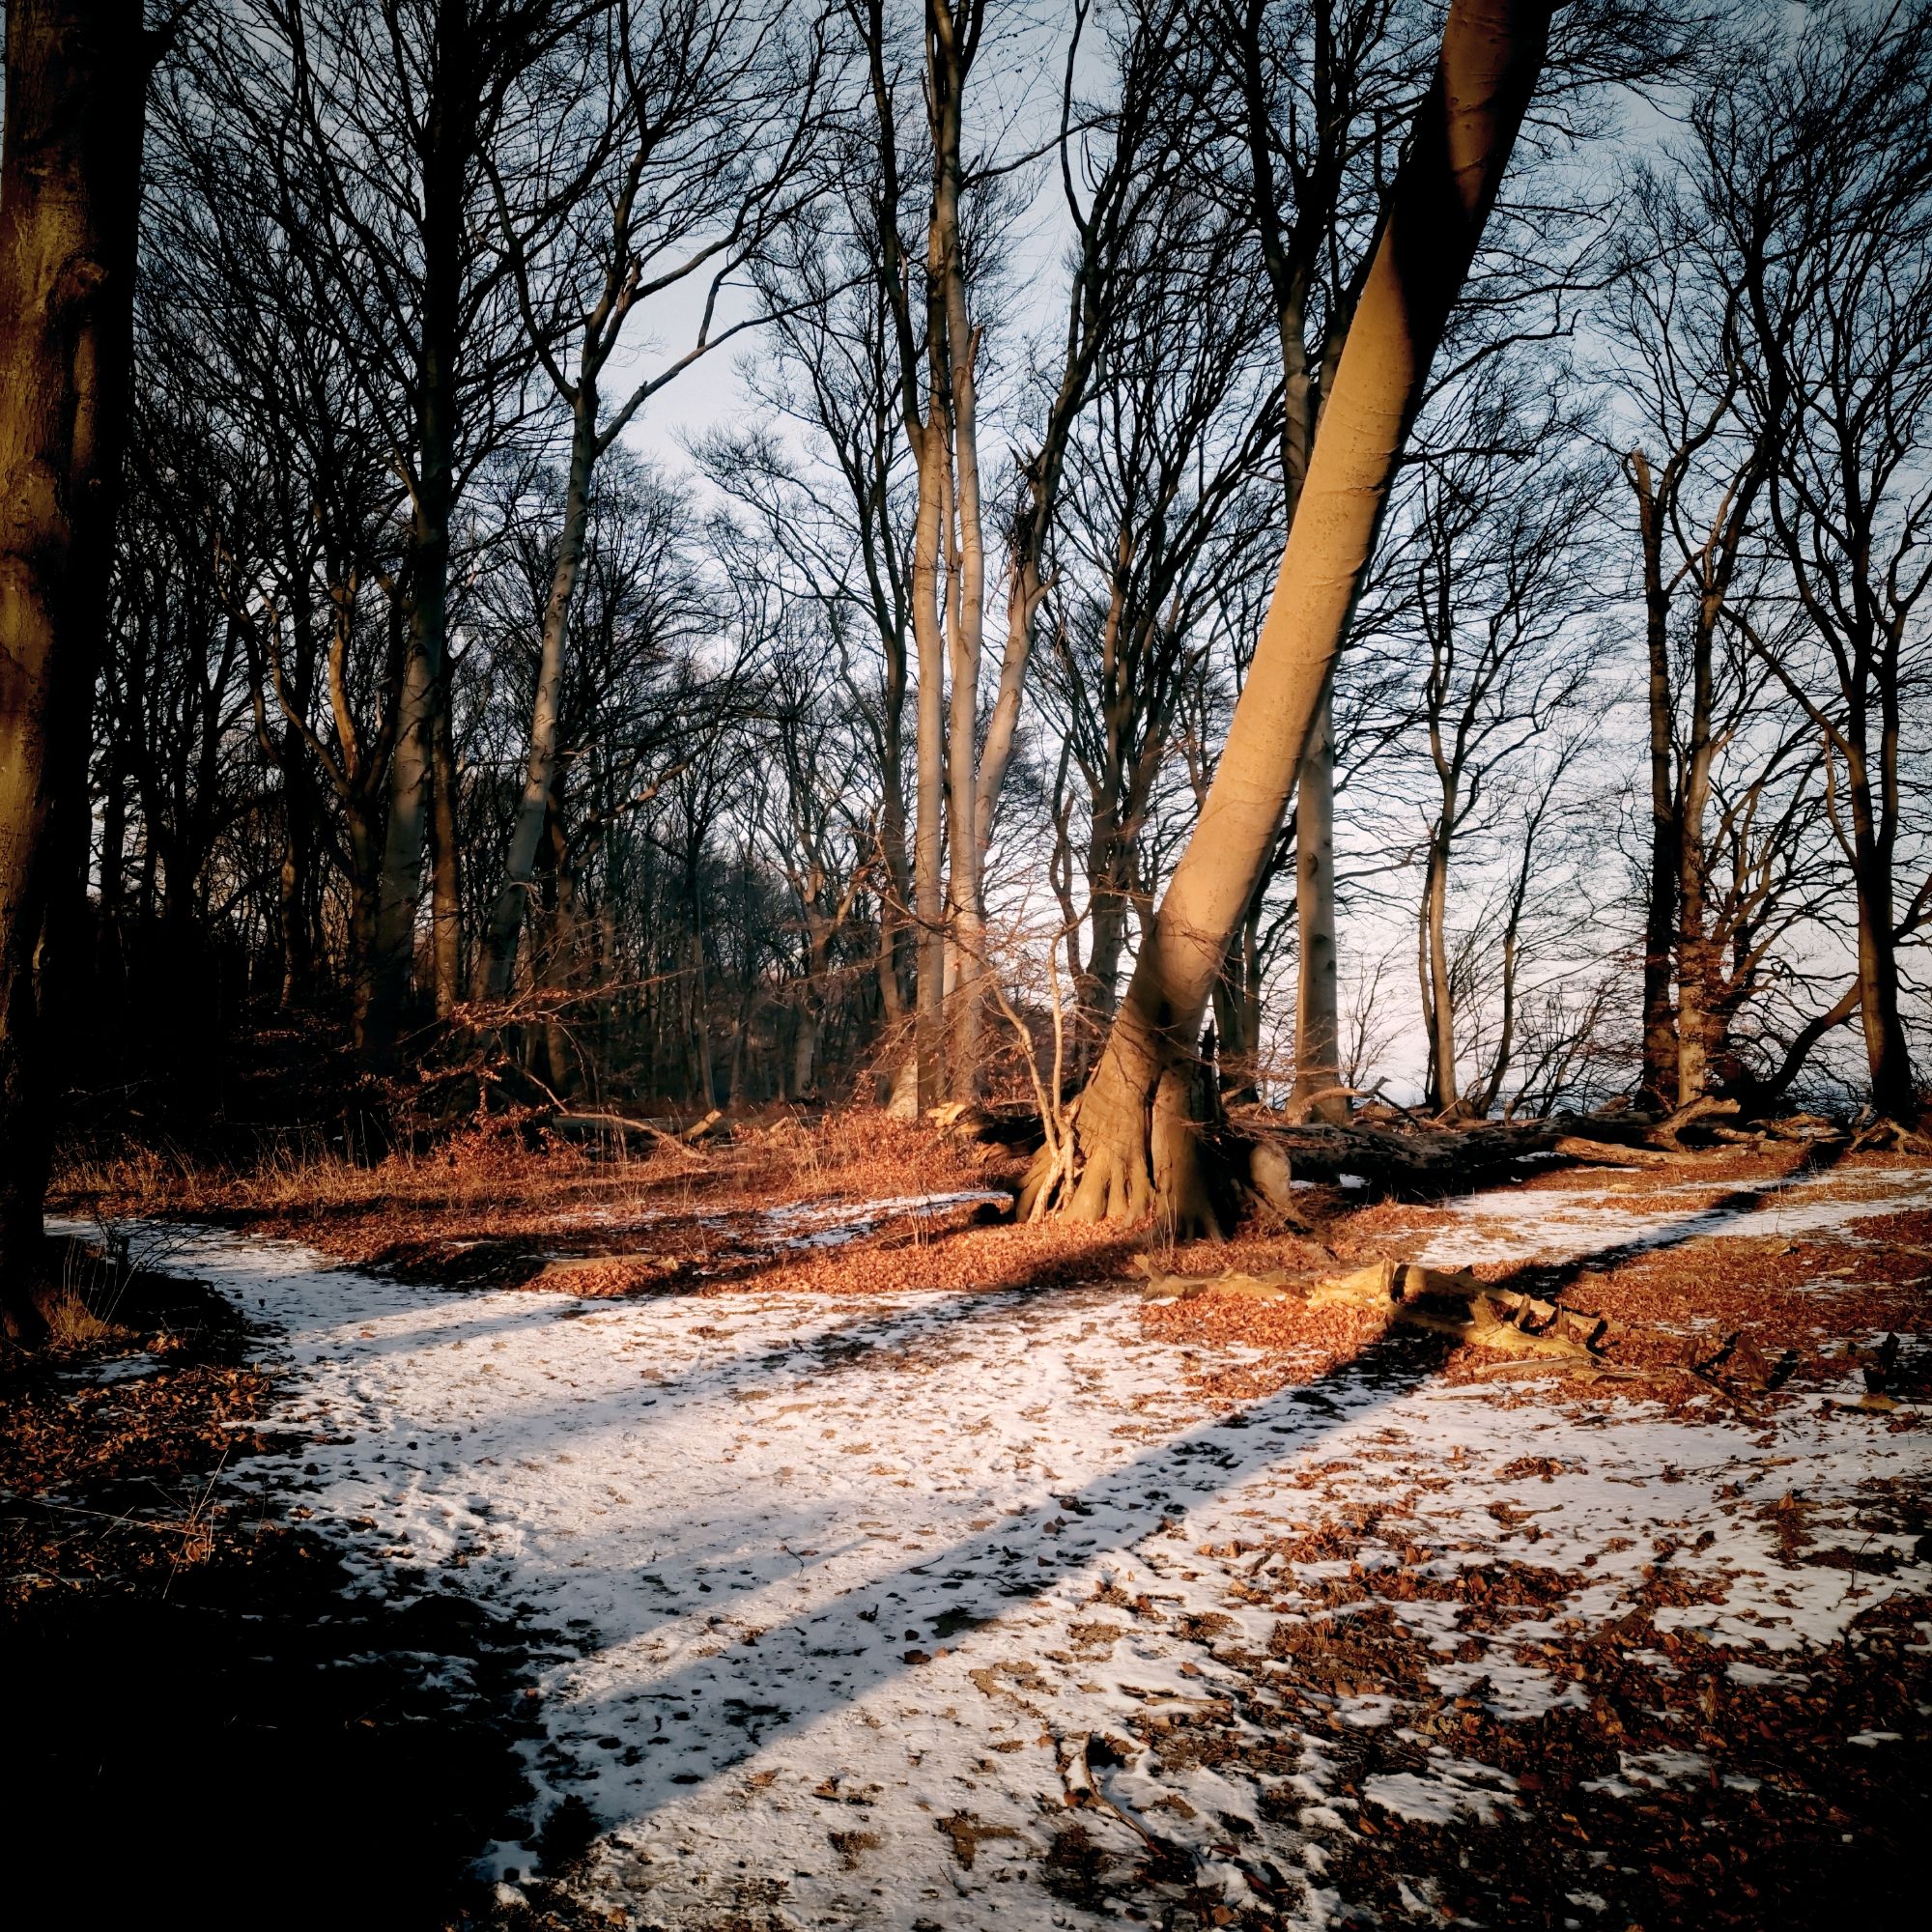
column 1137, row 1149
column 1439, row 1004
column 500, row 956
column 1697, row 960
column 1888, row 1055
column 446, row 858
column 1658, row 1085
column 69, row 204
column 929, row 850
column 966, row 611
column 405, row 839
column 1317, row 1022
column 425, row 681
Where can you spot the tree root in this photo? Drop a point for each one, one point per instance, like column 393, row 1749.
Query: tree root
column 1117, row 1159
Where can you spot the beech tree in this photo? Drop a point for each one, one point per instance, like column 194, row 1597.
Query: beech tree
column 698, row 141
column 1315, row 99
column 1735, row 771
column 1134, row 1143
column 69, row 203
column 1813, row 164
column 1170, row 481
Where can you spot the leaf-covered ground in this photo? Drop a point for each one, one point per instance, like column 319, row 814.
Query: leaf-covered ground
column 864, row 1573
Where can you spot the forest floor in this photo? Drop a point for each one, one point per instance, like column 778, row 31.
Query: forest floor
column 769, row 1539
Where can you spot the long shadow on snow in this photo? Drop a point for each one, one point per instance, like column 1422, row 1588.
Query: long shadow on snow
column 738, row 1700
column 1548, row 1279
column 750, row 1693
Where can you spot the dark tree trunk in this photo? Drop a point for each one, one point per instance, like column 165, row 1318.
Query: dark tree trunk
column 425, row 683
column 1658, row 1084
column 69, row 202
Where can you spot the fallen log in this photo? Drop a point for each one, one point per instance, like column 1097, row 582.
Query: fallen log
column 1706, row 1105
column 1611, row 1154
column 1422, row 1162
column 1444, row 1302
column 582, row 1126
column 1457, row 1303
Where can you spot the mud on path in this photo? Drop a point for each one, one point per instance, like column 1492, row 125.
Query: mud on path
column 944, row 1609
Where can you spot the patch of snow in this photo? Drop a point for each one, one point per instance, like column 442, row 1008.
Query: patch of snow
column 1742, row 1672
column 819, row 1566
column 1454, row 1789
column 122, row 1369
column 1653, row 1768
column 1508, row 1225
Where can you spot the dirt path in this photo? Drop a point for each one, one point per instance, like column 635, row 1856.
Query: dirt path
column 953, row 1612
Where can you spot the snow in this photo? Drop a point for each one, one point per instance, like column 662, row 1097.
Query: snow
column 120, row 1369
column 1652, row 1768
column 827, row 1595
column 1507, row 1225
column 1458, row 1789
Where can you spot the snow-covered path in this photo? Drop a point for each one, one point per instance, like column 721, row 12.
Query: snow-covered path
column 841, row 1593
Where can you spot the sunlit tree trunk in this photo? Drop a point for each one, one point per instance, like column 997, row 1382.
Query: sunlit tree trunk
column 930, row 754
column 1137, row 1145
column 1697, row 1020
column 1438, row 1002
column 965, row 607
column 70, row 201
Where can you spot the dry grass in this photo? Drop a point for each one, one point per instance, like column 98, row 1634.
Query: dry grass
column 488, row 1209
column 493, row 1187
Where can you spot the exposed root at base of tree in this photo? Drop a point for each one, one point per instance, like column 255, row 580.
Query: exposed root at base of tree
column 1109, row 1158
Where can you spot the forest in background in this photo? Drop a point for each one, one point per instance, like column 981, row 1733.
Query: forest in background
column 713, row 713
column 458, row 709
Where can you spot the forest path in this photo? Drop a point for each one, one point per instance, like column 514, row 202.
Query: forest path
column 928, row 1610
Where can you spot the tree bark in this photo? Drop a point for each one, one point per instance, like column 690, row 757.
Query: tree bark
column 1438, row 999
column 1317, row 1029
column 1658, row 1085
column 425, row 683
column 1493, row 51
column 69, row 203
column 546, row 708
column 446, row 858
column 1697, row 1017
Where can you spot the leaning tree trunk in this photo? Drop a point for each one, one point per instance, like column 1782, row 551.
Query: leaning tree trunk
column 1137, row 1149
column 69, row 204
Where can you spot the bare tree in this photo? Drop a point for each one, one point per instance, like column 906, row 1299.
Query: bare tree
column 1494, row 563
column 1813, row 165
column 1136, row 1138
column 696, row 142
